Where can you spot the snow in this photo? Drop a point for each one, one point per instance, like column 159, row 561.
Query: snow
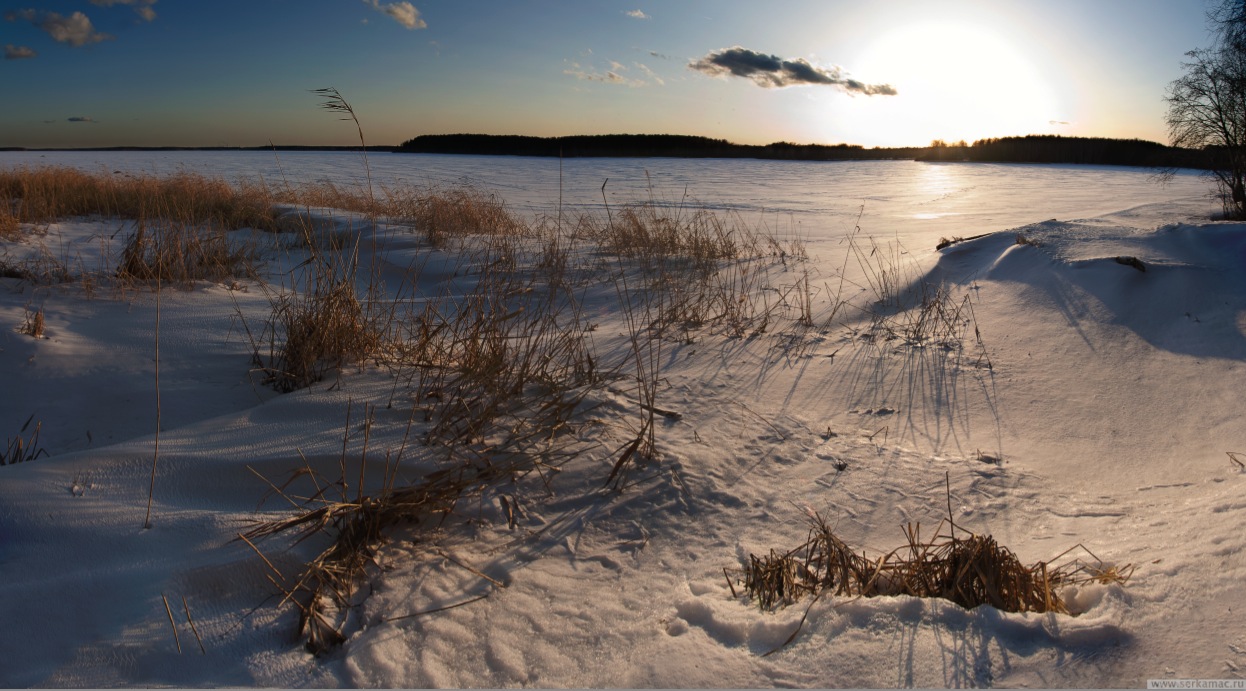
column 1111, row 398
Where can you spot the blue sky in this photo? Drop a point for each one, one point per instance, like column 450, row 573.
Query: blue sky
column 888, row 73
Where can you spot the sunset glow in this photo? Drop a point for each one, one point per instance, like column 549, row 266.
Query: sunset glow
column 233, row 73
column 966, row 81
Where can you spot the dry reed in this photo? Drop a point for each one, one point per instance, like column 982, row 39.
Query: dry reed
column 42, row 195
column 33, row 324
column 18, row 450
column 962, row 567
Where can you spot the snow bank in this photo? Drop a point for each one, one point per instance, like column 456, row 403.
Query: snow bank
column 1101, row 416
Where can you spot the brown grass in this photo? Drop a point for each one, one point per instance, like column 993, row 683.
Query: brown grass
column 9, row 229
column 180, row 222
column 500, row 374
column 19, row 450
column 962, row 567
column 33, row 325
column 321, row 323
column 440, row 214
column 357, row 523
column 42, row 195
column 174, row 252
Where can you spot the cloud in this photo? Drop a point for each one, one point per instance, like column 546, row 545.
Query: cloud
column 76, row 29
column 81, row 118
column 772, row 71
column 637, row 14
column 611, row 76
column 1058, row 122
column 650, row 73
column 402, row 12
column 142, row 7
column 12, row 52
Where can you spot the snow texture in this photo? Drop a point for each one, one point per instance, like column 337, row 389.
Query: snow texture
column 1104, row 418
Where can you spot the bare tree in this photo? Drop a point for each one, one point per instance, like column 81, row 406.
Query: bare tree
column 1207, row 106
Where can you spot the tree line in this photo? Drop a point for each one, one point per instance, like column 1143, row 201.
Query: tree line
column 1027, row 149
column 642, row 146
column 1050, row 148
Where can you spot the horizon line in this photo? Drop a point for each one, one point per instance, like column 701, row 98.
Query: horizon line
column 384, row 147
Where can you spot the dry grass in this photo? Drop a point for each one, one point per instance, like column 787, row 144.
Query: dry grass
column 506, row 360
column 33, row 324
column 173, row 252
column 500, row 370
column 458, row 211
column 9, row 228
column 955, row 565
column 45, row 195
column 903, row 306
column 440, row 214
column 19, row 450
column 42, row 268
column 321, row 322
column 180, row 222
column 356, row 524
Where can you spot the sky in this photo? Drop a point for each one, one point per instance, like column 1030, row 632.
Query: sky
column 890, row 73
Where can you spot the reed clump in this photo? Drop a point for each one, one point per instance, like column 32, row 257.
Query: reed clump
column 441, row 214
column 179, row 223
column 9, row 228
column 175, row 252
column 321, row 323
column 20, row 450
column 42, row 195
column 33, row 324
column 357, row 527
column 955, row 565
column 454, row 212
column 510, row 357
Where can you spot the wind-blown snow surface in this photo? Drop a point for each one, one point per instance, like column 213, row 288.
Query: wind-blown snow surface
column 1112, row 396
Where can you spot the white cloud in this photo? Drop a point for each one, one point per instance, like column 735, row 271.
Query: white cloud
column 402, row 12
column 637, row 14
column 12, row 52
column 76, row 29
column 611, row 76
column 142, row 7
column 650, row 73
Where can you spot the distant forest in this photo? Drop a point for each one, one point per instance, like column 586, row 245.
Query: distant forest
column 642, row 146
column 1035, row 148
column 1028, row 149
column 1050, row 148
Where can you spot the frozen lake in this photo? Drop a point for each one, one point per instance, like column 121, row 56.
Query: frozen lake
column 818, row 200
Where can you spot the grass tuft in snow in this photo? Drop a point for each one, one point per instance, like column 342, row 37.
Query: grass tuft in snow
column 320, row 325
column 33, row 325
column 177, row 253
column 9, row 227
column 19, row 450
column 1236, row 457
column 956, row 565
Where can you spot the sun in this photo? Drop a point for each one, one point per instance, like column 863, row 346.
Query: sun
column 955, row 81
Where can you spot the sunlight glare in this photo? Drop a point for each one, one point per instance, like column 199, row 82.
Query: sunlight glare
column 956, row 81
